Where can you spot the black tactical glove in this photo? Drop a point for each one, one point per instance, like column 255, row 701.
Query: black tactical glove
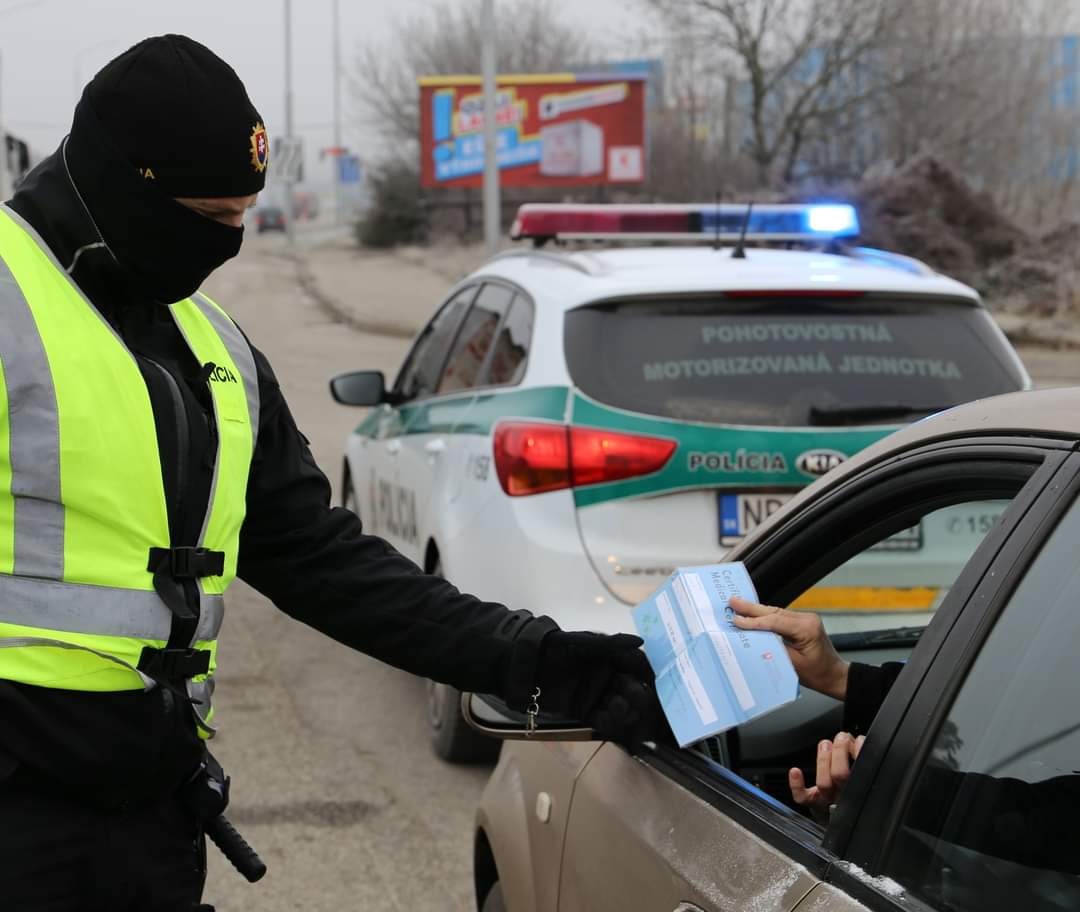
column 605, row 681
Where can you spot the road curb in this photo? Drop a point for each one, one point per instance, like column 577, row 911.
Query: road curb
column 309, row 283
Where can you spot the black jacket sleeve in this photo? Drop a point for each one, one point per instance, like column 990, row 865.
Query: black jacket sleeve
column 316, row 564
column 1029, row 823
column 867, row 688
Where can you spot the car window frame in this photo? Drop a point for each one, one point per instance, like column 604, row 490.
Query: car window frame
column 869, row 838
column 521, row 299
column 519, row 295
column 515, row 294
column 818, row 848
column 447, row 301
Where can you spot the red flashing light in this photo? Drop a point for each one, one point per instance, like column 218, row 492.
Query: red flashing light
column 534, row 458
column 539, row 221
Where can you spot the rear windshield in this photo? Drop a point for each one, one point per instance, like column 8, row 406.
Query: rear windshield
column 787, row 361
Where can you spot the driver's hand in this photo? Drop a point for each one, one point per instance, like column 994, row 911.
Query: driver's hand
column 816, row 662
column 834, row 759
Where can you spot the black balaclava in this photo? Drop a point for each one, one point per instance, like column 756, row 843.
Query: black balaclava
column 166, row 119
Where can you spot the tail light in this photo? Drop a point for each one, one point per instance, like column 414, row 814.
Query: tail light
column 534, row 458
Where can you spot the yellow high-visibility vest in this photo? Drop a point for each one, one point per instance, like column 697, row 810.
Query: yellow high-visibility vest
column 82, row 499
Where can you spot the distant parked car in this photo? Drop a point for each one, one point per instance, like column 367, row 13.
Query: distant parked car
column 269, row 218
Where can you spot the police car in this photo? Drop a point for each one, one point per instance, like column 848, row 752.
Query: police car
column 639, row 389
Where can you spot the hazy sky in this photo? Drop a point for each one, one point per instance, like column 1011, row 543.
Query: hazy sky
column 50, row 48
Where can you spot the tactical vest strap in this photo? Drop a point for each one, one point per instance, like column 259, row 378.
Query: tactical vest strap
column 187, row 563
column 174, row 664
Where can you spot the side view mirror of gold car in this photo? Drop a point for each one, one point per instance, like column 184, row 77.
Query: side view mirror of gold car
column 491, row 717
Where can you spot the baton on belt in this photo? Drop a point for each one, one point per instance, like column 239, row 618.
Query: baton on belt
column 235, row 848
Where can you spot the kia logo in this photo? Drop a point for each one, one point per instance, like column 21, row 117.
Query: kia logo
column 818, row 462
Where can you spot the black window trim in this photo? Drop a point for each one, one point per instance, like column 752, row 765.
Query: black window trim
column 447, row 301
column 928, row 704
column 855, row 807
column 478, row 282
column 825, row 852
column 767, row 295
column 520, row 298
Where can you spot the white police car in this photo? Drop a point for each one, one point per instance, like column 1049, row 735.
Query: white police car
column 574, row 423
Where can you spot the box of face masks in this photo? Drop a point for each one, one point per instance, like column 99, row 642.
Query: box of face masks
column 710, row 675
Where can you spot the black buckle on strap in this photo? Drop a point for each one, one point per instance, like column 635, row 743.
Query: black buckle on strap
column 187, row 563
column 174, row 664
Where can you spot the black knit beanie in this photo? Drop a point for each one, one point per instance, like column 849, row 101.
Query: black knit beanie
column 181, row 116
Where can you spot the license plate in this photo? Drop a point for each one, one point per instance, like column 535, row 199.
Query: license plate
column 740, row 514
column 904, row 540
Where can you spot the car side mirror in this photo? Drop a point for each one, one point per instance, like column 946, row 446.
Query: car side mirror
column 490, row 716
column 362, row 388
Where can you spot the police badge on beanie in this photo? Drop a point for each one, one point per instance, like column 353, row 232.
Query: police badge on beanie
column 165, row 119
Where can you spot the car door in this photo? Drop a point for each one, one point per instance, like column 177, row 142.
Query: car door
column 712, row 827
column 431, row 460
column 971, row 801
column 393, row 493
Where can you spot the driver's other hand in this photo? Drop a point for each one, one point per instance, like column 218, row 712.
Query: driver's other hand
column 816, row 662
column 834, row 759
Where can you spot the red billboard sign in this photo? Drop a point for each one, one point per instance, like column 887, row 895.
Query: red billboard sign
column 554, row 130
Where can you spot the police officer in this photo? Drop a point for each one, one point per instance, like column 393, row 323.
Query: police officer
column 148, row 457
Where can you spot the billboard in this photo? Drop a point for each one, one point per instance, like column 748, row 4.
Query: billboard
column 554, row 130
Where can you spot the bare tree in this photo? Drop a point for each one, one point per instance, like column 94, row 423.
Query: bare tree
column 823, row 90
column 982, row 76
column 793, row 64
column 446, row 40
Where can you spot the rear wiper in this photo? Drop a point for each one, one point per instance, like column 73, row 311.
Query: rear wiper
column 896, row 637
column 862, row 414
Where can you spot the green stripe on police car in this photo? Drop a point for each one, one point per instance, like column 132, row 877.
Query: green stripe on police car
column 721, row 456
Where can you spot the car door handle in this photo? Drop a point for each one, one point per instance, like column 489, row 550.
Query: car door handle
column 435, row 447
column 393, row 446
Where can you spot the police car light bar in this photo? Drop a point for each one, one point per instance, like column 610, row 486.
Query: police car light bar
column 689, row 222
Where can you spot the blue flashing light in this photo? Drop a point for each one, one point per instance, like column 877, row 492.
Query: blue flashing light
column 763, row 223
column 833, row 220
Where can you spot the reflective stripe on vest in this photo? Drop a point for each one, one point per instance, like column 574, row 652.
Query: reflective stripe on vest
column 81, row 493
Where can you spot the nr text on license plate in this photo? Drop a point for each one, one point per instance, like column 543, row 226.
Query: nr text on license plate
column 740, row 514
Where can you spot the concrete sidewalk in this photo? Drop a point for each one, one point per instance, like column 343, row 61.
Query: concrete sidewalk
column 392, row 293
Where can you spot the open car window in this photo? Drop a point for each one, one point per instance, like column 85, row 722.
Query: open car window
column 898, row 583
column 419, row 375
column 877, row 562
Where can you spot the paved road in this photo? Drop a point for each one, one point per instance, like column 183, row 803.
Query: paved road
column 333, row 780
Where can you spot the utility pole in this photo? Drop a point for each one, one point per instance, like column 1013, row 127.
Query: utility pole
column 338, row 209
column 288, row 207
column 4, row 193
column 5, row 184
column 492, row 228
